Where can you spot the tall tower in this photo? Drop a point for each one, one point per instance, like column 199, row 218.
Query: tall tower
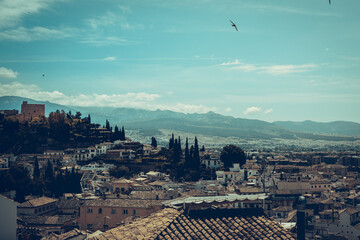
column 30, row 111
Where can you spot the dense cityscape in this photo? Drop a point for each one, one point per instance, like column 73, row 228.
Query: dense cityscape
column 111, row 184
column 179, row 120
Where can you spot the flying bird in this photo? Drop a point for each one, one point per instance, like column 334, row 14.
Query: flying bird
column 233, row 25
column 43, row 75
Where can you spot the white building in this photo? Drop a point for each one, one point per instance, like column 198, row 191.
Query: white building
column 213, row 163
column 346, row 223
column 8, row 209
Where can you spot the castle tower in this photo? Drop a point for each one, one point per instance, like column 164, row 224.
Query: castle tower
column 30, row 111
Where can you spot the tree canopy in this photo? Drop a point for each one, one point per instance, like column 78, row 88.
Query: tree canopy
column 232, row 154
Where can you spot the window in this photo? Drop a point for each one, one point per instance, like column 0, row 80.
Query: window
column 125, row 211
column 100, row 210
column 134, row 212
column 89, row 210
column 113, row 211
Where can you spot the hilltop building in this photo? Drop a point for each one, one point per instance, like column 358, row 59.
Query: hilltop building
column 30, row 111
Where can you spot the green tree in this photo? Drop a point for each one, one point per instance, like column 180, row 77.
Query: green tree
column 77, row 115
column 36, row 170
column 196, row 159
column 171, row 141
column 231, row 154
column 107, row 125
column 123, row 137
column 187, row 154
column 153, row 142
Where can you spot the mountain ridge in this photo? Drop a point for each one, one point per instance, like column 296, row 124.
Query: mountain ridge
column 210, row 123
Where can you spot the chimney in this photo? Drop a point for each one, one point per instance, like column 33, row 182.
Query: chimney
column 300, row 218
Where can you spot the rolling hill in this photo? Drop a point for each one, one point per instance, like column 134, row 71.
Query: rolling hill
column 149, row 122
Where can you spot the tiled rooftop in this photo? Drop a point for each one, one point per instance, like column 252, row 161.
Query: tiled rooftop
column 73, row 234
column 38, row 202
column 122, row 203
column 48, row 220
column 209, row 224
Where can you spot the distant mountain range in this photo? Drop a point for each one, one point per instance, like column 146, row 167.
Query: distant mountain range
column 149, row 122
column 331, row 128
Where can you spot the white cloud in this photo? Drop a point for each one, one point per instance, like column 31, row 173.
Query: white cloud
column 111, row 19
column 169, row 92
column 282, row 9
column 12, row 11
column 105, row 41
column 186, row 108
column 110, row 59
column 268, row 111
column 351, row 58
column 132, row 100
column 235, row 62
column 34, row 92
column 23, row 34
column 286, row 69
column 270, row 69
column 228, row 109
column 252, row 110
column 7, row 73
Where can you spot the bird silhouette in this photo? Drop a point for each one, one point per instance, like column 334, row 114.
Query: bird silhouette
column 43, row 75
column 329, row 2
column 233, row 24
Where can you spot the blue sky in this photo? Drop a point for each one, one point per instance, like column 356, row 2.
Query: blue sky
column 290, row 60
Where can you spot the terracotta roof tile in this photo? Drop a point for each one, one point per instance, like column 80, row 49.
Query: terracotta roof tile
column 215, row 224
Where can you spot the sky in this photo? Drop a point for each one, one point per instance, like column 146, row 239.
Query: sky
column 289, row 60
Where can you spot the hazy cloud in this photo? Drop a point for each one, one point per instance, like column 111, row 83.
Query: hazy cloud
column 187, row 108
column 268, row 111
column 252, row 110
column 11, row 11
column 35, row 92
column 135, row 100
column 282, row 9
column 111, row 19
column 228, row 109
column 22, row 34
column 7, row 73
column 270, row 69
column 110, row 59
column 105, row 41
column 235, row 62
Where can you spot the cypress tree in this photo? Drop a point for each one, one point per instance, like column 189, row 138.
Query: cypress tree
column 171, row 141
column 122, row 133
column 107, row 125
column 36, row 170
column 153, row 142
column 187, row 158
column 191, row 156
column 117, row 134
column 196, row 159
column 49, row 171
